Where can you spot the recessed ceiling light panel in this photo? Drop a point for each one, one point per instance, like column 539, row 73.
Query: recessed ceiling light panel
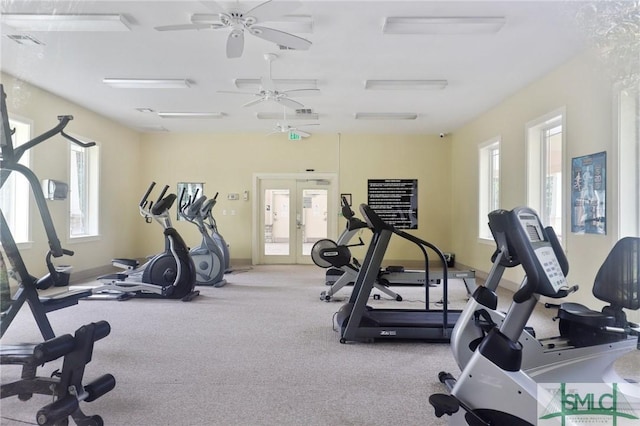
column 145, row 83
column 191, row 114
column 91, row 22
column 386, row 116
column 443, row 25
column 405, row 84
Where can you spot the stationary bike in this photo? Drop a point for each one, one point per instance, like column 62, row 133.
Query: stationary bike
column 336, row 256
column 207, row 257
column 589, row 341
column 170, row 274
column 481, row 315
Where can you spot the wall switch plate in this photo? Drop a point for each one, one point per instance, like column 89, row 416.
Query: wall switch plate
column 233, row 196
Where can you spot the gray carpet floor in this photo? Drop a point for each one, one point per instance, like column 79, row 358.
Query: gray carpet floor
column 260, row 351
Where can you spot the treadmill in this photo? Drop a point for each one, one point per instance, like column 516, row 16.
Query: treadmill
column 359, row 322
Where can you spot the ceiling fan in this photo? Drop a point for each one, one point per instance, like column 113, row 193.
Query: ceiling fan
column 287, row 128
column 269, row 92
column 238, row 21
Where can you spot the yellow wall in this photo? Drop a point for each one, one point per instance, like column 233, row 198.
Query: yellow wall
column 120, row 159
column 227, row 163
column 580, row 87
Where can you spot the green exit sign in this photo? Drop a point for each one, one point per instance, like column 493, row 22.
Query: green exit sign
column 293, row 136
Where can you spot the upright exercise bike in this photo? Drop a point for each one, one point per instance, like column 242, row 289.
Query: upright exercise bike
column 170, row 274
column 588, row 345
column 207, row 257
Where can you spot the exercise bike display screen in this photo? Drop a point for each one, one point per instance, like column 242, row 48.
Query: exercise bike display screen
column 545, row 255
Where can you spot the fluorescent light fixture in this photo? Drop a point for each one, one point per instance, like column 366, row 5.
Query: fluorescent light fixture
column 153, row 129
column 282, row 84
column 386, row 116
column 27, row 40
column 287, row 23
column 405, row 84
column 36, row 22
column 279, row 116
column 191, row 114
column 443, row 25
column 144, row 83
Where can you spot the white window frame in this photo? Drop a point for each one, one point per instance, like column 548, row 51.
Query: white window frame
column 90, row 203
column 536, row 167
column 627, row 157
column 17, row 187
column 488, row 193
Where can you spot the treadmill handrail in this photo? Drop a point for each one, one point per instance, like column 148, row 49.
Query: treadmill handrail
column 376, row 223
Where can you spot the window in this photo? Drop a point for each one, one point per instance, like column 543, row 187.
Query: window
column 628, row 161
column 545, row 164
column 14, row 196
column 83, row 191
column 488, row 184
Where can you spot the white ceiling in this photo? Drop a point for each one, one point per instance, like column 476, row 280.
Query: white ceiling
column 348, row 48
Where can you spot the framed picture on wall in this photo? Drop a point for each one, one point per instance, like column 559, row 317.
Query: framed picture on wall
column 187, row 192
column 589, row 194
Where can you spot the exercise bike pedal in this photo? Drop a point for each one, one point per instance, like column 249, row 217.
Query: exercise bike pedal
column 444, row 404
column 190, row 296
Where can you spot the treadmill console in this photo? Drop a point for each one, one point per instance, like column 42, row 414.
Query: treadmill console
column 552, row 280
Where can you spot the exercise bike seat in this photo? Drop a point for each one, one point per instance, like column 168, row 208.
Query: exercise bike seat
column 576, row 312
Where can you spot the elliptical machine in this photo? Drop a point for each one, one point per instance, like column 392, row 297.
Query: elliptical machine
column 170, row 274
column 210, row 223
column 589, row 343
column 207, row 257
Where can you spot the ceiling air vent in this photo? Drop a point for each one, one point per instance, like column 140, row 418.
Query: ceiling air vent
column 304, row 111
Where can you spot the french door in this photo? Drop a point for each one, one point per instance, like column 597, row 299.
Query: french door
column 293, row 212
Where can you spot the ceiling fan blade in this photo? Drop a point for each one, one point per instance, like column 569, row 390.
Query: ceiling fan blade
column 280, row 37
column 272, row 10
column 301, row 133
column 289, row 103
column 181, row 27
column 235, row 44
column 253, row 102
column 302, row 92
column 308, row 124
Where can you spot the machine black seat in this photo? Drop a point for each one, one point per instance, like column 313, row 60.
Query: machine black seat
column 576, row 312
column 62, row 300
